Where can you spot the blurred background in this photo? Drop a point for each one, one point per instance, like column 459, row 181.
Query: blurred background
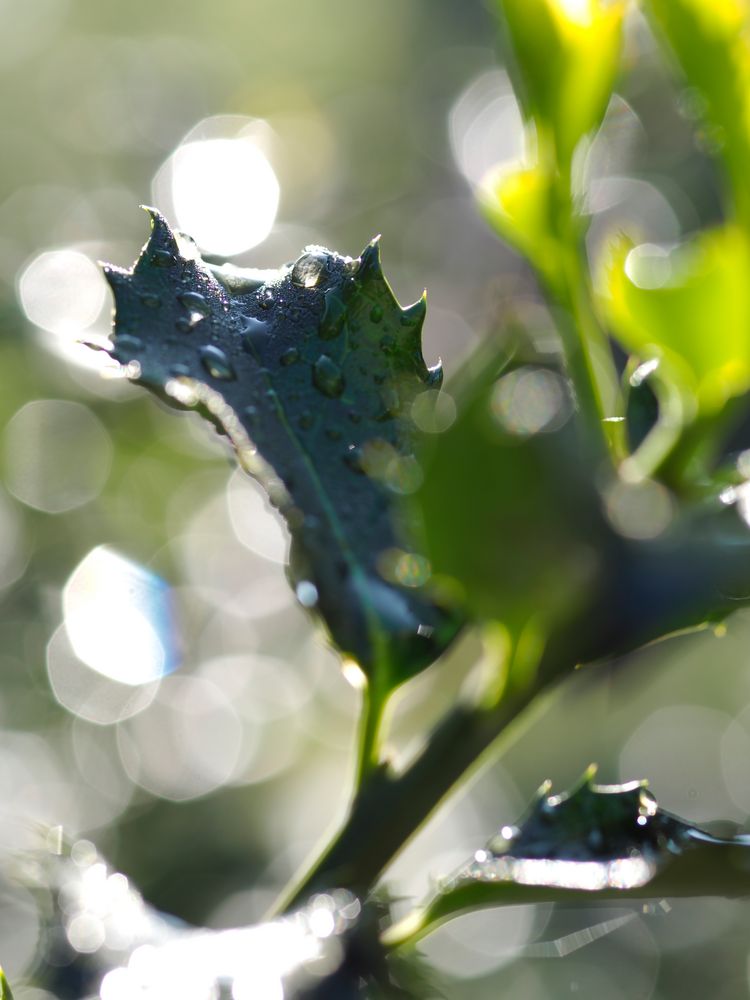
column 163, row 697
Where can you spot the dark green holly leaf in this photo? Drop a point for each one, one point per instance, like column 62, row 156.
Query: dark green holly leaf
column 596, row 842
column 311, row 371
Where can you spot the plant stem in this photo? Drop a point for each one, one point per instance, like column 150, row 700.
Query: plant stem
column 390, row 807
column 370, row 725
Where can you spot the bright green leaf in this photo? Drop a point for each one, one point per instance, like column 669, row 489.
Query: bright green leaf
column 689, row 307
column 710, row 40
column 519, row 204
column 316, row 366
column 566, row 57
column 5, row 993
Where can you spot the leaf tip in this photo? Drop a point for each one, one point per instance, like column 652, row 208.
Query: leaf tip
column 435, row 375
column 369, row 261
column 414, row 314
column 162, row 246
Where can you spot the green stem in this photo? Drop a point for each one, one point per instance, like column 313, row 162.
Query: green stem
column 390, row 807
column 370, row 728
column 587, row 352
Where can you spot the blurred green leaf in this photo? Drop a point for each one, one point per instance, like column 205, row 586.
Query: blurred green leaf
column 5, row 993
column 315, row 366
column 566, row 57
column 534, row 535
column 690, row 308
column 519, row 204
column 596, row 842
column 710, row 40
column 519, row 525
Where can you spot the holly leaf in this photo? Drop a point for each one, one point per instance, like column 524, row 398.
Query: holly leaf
column 593, row 843
column 311, row 371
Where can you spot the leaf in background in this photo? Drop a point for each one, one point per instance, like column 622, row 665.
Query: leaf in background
column 535, row 536
column 566, row 57
column 519, row 528
column 596, row 842
column 689, row 307
column 5, row 993
column 709, row 39
column 316, row 366
column 519, row 205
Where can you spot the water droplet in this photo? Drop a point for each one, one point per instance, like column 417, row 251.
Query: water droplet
column 334, row 314
column 216, row 363
column 306, row 420
column 126, row 343
column 388, row 344
column 179, row 369
column 163, row 258
column 376, row 313
column 309, row 268
column 254, row 334
column 266, row 298
column 151, row 301
column 195, row 302
column 327, row 377
column 250, row 413
column 307, row 593
column 289, row 357
column 353, row 458
column 187, row 323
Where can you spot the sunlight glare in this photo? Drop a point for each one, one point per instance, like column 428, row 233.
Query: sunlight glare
column 119, row 618
column 223, row 189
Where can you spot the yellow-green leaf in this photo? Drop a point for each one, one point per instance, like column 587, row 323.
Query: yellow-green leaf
column 566, row 57
column 710, row 41
column 689, row 307
column 519, row 205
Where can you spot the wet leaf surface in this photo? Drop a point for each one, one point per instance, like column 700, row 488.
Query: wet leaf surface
column 311, row 371
column 595, row 842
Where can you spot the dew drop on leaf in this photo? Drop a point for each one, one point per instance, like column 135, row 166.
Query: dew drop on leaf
column 163, row 258
column 334, row 313
column 254, row 334
column 185, row 324
column 127, row 342
column 216, row 363
column 327, row 377
column 309, row 269
column 195, row 302
column 307, row 593
column 289, row 357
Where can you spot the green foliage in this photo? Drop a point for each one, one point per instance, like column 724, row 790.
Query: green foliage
column 572, row 513
column 661, row 304
column 316, row 366
column 5, row 993
column 527, row 553
column 565, row 60
column 709, row 40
